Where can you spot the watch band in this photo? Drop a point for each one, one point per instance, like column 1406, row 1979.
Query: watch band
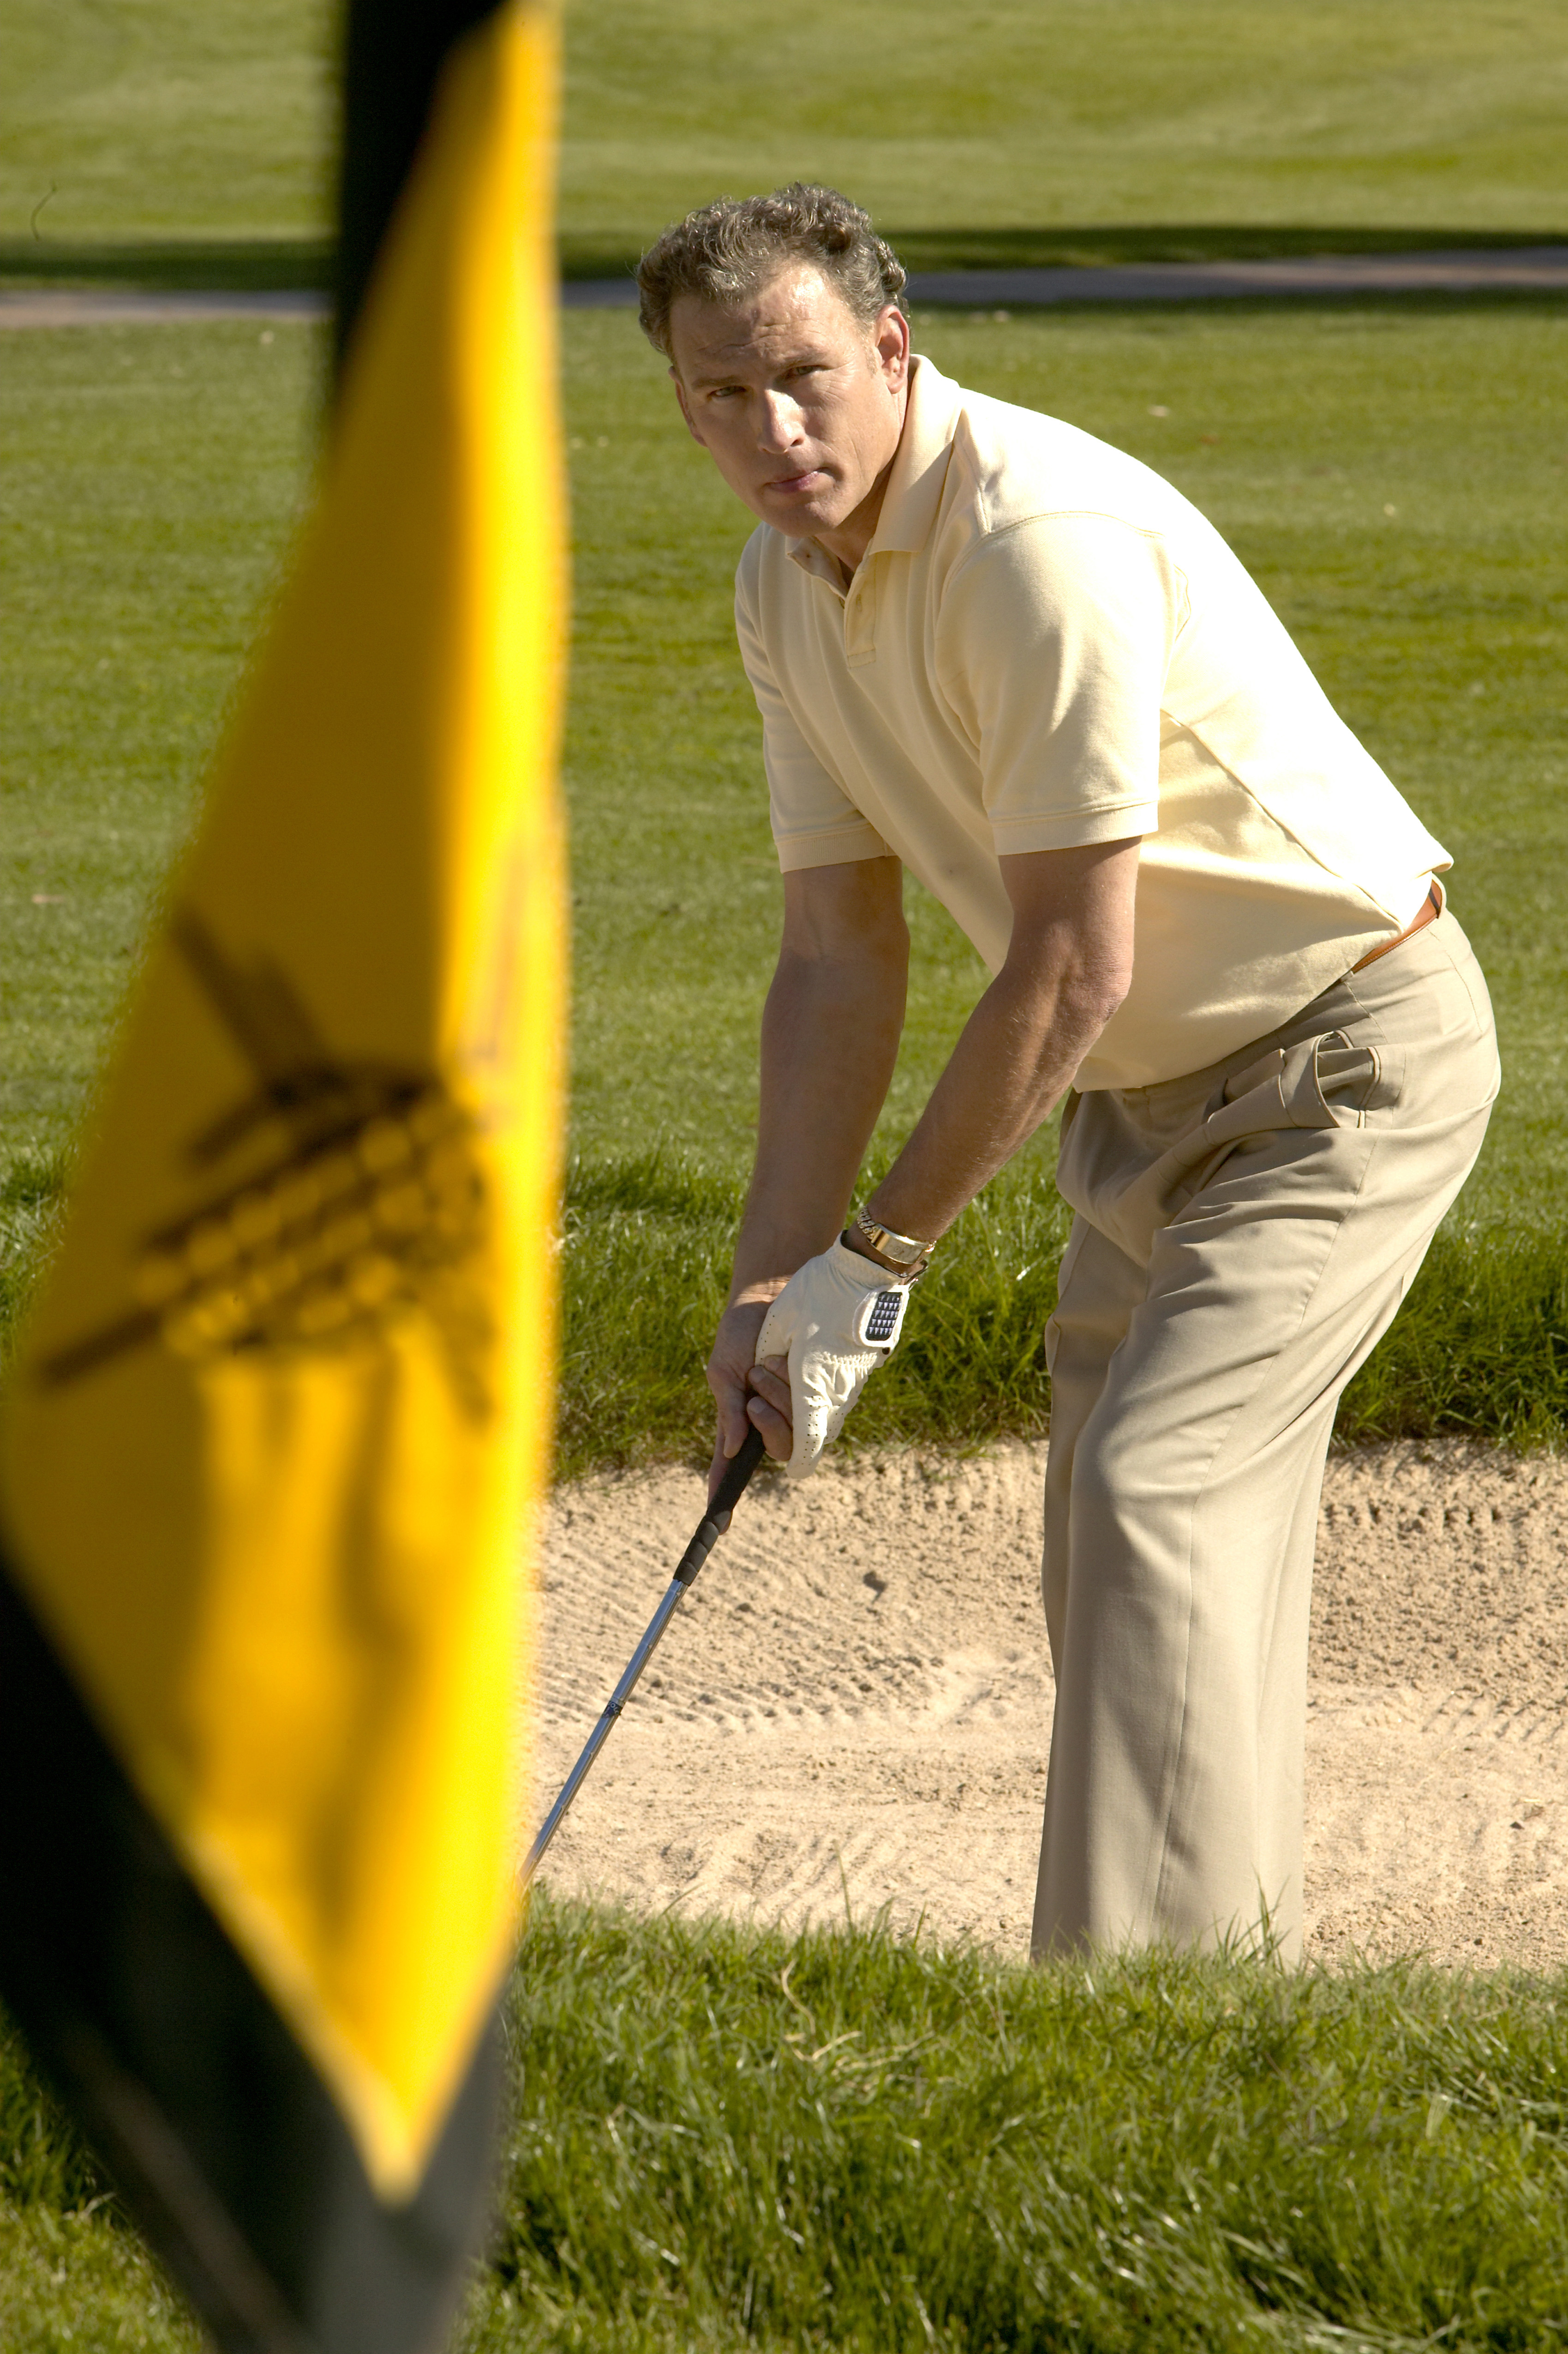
column 900, row 1251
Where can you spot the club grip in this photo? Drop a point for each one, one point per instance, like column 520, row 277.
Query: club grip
column 737, row 1473
column 727, row 1496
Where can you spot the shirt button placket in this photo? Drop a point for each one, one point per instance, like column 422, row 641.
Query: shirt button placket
column 860, row 623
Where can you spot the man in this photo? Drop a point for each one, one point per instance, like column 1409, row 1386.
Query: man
column 997, row 652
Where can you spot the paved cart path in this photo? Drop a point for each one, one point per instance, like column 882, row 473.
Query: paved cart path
column 1538, row 268
column 130, row 306
column 1541, row 269
column 855, row 1706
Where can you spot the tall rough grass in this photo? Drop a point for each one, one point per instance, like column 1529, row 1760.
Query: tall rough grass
column 44, row 2162
column 648, row 1246
column 1480, row 1347
column 31, row 1193
column 720, row 2136
column 725, row 2137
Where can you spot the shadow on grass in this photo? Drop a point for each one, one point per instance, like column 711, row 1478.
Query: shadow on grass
column 269, row 265
column 591, row 255
column 258, row 265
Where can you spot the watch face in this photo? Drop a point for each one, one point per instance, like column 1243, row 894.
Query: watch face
column 902, row 1249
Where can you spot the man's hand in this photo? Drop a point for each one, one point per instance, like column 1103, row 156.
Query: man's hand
column 744, row 1393
column 836, row 1320
column 811, row 1351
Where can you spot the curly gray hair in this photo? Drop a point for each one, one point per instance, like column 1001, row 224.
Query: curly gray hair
column 725, row 251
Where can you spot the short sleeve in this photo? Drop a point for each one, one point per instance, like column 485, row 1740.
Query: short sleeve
column 814, row 821
column 1052, row 644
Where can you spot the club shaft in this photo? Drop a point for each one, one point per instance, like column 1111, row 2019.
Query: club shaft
column 709, row 1530
column 600, row 1734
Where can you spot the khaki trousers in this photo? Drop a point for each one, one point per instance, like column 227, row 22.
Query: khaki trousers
column 1243, row 1238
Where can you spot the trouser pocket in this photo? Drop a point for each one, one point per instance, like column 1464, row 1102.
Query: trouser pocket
column 1330, row 1081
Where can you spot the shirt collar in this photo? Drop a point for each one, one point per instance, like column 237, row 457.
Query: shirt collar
column 914, row 485
column 921, row 463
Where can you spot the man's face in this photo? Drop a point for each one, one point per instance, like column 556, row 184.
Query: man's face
column 799, row 404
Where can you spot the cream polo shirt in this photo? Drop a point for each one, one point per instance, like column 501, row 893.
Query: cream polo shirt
column 1046, row 645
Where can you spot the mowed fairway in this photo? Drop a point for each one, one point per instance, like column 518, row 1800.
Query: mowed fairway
column 1019, row 126
column 1030, row 120
column 1394, row 476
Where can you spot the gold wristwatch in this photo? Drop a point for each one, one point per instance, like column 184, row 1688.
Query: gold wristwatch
column 901, row 1252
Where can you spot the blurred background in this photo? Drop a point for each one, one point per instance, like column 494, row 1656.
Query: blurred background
column 1046, row 127
column 1391, row 467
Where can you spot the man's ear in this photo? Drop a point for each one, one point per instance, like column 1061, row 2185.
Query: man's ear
column 891, row 337
column 686, row 410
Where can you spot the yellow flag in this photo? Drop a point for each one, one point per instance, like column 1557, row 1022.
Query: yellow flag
column 284, row 1406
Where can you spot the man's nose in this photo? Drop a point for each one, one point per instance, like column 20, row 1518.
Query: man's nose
column 778, row 421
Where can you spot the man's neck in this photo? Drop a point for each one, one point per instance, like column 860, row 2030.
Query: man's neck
column 849, row 540
column 849, row 543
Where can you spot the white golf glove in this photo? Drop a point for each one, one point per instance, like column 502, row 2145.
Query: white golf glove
column 837, row 1319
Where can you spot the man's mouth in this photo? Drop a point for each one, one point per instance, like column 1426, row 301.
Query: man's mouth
column 812, row 479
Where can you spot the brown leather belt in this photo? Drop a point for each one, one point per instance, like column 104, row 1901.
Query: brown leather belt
column 1431, row 908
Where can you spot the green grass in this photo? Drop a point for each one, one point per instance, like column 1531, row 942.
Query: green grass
column 157, row 118
column 1118, row 112
column 1480, row 1347
column 1016, row 130
column 153, row 478
column 151, row 484
column 648, row 1246
column 72, row 2275
column 724, row 2137
column 719, row 2136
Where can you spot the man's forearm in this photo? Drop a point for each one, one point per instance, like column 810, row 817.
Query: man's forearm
column 1013, row 1064
column 830, row 1041
column 1069, row 965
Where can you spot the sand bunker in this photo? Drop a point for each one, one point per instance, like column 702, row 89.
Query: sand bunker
column 854, row 1707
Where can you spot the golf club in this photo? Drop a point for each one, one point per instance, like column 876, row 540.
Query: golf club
column 710, row 1527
